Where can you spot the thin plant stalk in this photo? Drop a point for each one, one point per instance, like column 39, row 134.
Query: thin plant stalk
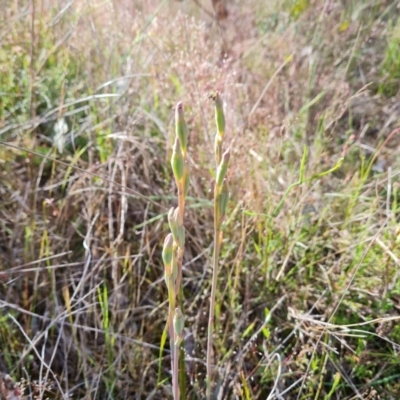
column 173, row 255
column 217, row 232
column 169, row 259
column 181, row 186
column 221, row 197
column 173, row 348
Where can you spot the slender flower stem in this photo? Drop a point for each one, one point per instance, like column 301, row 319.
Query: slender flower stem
column 175, row 375
column 221, row 197
column 179, row 292
column 217, row 245
column 180, row 349
column 173, row 265
column 174, row 355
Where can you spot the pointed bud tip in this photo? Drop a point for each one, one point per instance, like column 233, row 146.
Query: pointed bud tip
column 169, row 240
column 226, row 156
column 178, row 312
column 171, row 213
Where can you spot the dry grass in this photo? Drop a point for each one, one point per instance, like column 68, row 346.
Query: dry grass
column 83, row 218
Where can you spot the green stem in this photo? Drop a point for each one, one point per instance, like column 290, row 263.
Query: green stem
column 173, row 348
column 217, row 246
column 175, row 376
column 182, row 365
column 179, row 376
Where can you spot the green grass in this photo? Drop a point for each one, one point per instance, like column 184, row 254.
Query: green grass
column 391, row 63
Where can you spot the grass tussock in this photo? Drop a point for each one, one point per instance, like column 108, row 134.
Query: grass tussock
column 307, row 296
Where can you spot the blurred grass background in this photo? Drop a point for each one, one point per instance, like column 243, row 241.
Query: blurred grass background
column 87, row 90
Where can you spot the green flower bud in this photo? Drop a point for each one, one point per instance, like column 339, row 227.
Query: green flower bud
column 217, row 148
column 223, row 199
column 181, row 237
column 219, row 115
column 174, row 268
column 179, row 321
column 171, row 270
column 168, row 249
column 223, row 168
column 177, row 161
column 173, row 222
column 171, row 219
column 176, row 226
column 180, row 127
column 177, row 217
